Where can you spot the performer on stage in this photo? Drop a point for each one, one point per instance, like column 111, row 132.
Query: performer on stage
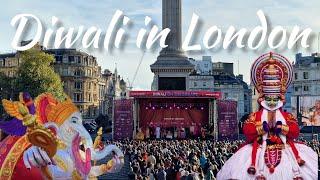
column 270, row 151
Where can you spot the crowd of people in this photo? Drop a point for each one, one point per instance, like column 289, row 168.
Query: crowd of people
column 177, row 159
column 180, row 159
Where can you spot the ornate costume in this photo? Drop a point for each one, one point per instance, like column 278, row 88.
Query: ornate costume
column 270, row 151
column 45, row 140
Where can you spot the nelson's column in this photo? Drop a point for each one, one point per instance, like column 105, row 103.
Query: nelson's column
column 172, row 66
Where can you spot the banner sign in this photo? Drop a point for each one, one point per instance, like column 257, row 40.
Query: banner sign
column 308, row 108
column 227, row 120
column 155, row 94
column 123, row 119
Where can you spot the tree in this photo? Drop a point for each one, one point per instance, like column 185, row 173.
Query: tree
column 6, row 89
column 36, row 74
column 6, row 86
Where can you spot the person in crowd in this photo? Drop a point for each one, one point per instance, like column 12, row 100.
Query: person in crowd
column 147, row 133
column 158, row 130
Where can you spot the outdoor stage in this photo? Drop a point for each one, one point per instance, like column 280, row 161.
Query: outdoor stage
column 188, row 110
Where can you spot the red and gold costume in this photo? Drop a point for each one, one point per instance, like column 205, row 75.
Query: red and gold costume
column 12, row 165
column 44, row 142
column 271, row 151
column 11, row 161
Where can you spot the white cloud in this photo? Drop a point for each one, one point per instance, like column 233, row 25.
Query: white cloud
column 213, row 12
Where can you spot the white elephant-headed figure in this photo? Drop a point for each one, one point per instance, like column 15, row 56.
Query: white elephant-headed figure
column 74, row 155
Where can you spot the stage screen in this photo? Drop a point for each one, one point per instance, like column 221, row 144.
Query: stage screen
column 172, row 83
column 227, row 120
column 175, row 113
column 309, row 108
column 123, row 119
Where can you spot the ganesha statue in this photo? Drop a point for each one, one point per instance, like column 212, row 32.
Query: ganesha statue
column 46, row 140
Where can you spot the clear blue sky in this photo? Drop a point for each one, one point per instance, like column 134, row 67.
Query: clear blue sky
column 239, row 13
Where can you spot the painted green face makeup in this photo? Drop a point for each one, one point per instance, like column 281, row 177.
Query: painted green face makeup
column 272, row 100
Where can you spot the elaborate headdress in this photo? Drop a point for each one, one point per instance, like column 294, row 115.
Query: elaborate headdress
column 29, row 118
column 51, row 110
column 271, row 74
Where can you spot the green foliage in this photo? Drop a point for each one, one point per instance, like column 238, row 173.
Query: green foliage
column 36, row 74
column 6, row 86
column 6, row 89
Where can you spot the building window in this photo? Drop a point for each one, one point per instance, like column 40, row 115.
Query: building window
column 245, row 97
column 295, row 76
column 296, row 89
column 305, row 75
column 89, row 97
column 77, row 59
column 58, row 59
column 65, row 59
column 89, row 111
column 204, row 84
column 206, row 65
column 71, row 59
column 80, row 108
column 195, row 84
column 89, row 85
column 65, row 71
column 305, row 88
column 86, row 61
column 77, row 72
column 77, row 97
column 245, row 109
column 65, row 85
column 78, row 85
column 89, row 72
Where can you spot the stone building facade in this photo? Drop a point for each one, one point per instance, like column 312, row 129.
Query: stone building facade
column 199, row 82
column 90, row 88
column 82, row 79
column 203, row 66
column 220, row 78
column 234, row 88
column 306, row 81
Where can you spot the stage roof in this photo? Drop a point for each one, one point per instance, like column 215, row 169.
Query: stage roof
column 175, row 94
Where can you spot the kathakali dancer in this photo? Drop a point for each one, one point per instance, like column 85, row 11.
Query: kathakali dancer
column 270, row 151
column 48, row 141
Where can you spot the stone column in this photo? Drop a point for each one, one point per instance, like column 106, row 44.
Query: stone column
column 171, row 62
column 171, row 18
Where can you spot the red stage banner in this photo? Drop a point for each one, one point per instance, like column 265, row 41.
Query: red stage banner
column 123, row 119
column 156, row 94
column 227, row 120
